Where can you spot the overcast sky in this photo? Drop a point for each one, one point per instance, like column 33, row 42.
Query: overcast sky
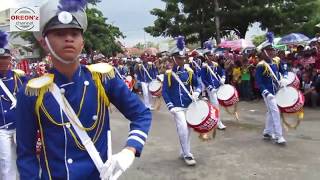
column 131, row 16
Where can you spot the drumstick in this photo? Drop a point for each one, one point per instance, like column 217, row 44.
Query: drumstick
column 213, row 73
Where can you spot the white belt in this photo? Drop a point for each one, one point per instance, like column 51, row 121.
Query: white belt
column 9, row 94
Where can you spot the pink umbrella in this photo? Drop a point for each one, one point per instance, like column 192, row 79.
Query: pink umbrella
column 237, row 45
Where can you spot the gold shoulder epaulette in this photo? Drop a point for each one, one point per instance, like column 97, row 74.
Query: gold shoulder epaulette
column 105, row 70
column 39, row 85
column 261, row 63
column 189, row 69
column 19, row 72
column 204, row 65
column 276, row 60
column 169, row 71
column 215, row 64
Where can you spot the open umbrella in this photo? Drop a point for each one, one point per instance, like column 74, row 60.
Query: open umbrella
column 236, row 45
column 294, row 38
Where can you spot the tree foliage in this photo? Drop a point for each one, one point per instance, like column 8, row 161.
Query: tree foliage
column 100, row 35
column 195, row 18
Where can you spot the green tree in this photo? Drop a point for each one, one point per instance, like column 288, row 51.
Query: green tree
column 196, row 19
column 257, row 40
column 100, row 35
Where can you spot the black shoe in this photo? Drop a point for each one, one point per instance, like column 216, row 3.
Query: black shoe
column 267, row 136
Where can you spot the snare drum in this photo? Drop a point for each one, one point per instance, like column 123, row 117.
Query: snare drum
column 227, row 95
column 293, row 80
column 289, row 100
column 155, row 88
column 202, row 116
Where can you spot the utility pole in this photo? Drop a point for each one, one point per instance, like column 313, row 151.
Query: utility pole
column 217, row 21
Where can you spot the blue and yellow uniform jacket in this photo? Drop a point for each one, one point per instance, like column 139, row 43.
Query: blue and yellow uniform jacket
column 172, row 92
column 89, row 93
column 13, row 80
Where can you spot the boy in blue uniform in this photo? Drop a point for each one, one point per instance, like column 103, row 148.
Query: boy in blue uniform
column 178, row 100
column 11, row 81
column 269, row 86
column 69, row 106
column 211, row 82
column 146, row 72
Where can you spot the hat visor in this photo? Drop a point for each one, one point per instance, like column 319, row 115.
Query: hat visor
column 63, row 26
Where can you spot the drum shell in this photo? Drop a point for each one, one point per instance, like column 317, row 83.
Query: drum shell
column 210, row 121
column 231, row 101
column 295, row 83
column 157, row 93
column 296, row 107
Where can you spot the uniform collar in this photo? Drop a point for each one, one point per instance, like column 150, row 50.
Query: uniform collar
column 62, row 79
column 178, row 68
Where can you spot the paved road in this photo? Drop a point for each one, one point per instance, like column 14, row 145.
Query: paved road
column 239, row 153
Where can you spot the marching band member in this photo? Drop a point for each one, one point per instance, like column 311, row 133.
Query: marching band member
column 269, row 85
column 213, row 82
column 177, row 99
column 10, row 83
column 69, row 106
column 146, row 72
column 196, row 64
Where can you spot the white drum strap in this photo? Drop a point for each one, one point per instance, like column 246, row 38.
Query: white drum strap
column 8, row 93
column 144, row 68
column 117, row 71
column 213, row 73
column 176, row 77
column 196, row 64
column 75, row 122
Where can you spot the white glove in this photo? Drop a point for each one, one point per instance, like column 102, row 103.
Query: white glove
column 222, row 80
column 270, row 96
column 195, row 95
column 283, row 82
column 118, row 162
column 174, row 110
column 213, row 90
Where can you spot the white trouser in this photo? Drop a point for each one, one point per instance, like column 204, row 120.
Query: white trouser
column 184, row 132
column 146, row 94
column 213, row 98
column 201, row 84
column 8, row 168
column 273, row 121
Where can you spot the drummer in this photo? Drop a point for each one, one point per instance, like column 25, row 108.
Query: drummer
column 269, row 87
column 177, row 99
column 211, row 82
column 146, row 72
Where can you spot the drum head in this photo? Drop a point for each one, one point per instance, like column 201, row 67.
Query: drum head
column 225, row 92
column 154, row 86
column 287, row 97
column 129, row 78
column 291, row 77
column 197, row 112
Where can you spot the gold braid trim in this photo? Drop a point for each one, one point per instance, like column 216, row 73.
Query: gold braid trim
column 169, row 74
column 190, row 72
column 41, row 92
